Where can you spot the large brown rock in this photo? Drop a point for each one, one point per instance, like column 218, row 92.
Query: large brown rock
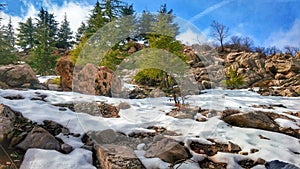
column 87, row 79
column 168, row 150
column 257, row 120
column 249, row 65
column 17, row 76
column 65, row 68
column 113, row 156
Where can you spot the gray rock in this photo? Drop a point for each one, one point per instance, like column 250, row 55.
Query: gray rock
column 39, row 138
column 66, row 148
column 168, row 150
column 113, row 156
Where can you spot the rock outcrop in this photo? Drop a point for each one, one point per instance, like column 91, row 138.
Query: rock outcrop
column 17, row 76
column 87, row 79
column 257, row 69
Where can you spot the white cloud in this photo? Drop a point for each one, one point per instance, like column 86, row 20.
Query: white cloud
column 76, row 13
column 290, row 37
column 210, row 9
column 190, row 37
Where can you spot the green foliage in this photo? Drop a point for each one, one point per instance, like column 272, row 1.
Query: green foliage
column 64, row 35
column 145, row 23
column 154, row 77
column 164, row 23
column 7, row 51
column 96, row 20
column 167, row 43
column 113, row 58
column 233, row 79
column 80, row 31
column 25, row 38
column 42, row 59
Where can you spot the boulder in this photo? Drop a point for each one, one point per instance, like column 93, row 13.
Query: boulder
column 168, row 150
column 255, row 119
column 113, row 156
column 17, row 76
column 97, row 109
column 65, row 68
column 124, row 106
column 258, row 120
column 87, row 79
column 39, row 138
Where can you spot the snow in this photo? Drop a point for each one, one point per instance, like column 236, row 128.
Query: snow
column 43, row 79
column 37, row 158
column 152, row 112
column 286, row 123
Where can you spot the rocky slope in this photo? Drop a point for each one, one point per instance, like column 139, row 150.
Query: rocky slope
column 209, row 69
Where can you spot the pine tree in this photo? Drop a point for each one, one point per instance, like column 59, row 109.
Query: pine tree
column 80, row 31
column 164, row 24
column 65, row 35
column 96, row 20
column 129, row 21
column 10, row 33
column 7, row 51
column 146, row 22
column 113, row 9
column 25, row 38
column 42, row 59
column 47, row 21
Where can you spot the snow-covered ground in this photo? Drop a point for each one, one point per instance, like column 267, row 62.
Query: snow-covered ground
column 43, row 79
column 152, row 112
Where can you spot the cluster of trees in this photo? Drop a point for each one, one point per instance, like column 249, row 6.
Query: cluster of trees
column 42, row 39
column 220, row 32
column 38, row 38
column 7, row 42
column 148, row 27
column 154, row 30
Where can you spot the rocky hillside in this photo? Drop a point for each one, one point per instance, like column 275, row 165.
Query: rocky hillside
column 210, row 68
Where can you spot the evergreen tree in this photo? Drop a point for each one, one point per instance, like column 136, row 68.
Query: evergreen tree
column 7, row 51
column 25, row 38
column 80, row 31
column 10, row 33
column 47, row 21
column 112, row 9
column 65, row 35
column 129, row 21
column 145, row 23
column 42, row 59
column 96, row 20
column 165, row 23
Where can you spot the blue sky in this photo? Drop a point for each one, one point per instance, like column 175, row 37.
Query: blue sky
column 267, row 22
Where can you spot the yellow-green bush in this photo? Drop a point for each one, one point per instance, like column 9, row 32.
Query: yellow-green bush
column 233, row 79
